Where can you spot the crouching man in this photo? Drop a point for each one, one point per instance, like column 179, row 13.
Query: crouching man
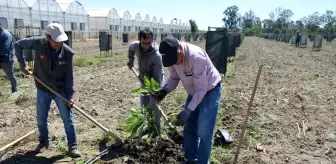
column 192, row 66
column 53, row 66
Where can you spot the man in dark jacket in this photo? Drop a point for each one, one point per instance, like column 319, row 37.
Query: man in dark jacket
column 6, row 57
column 53, row 65
column 150, row 65
column 298, row 39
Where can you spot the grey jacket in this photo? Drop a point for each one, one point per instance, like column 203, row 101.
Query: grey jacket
column 150, row 63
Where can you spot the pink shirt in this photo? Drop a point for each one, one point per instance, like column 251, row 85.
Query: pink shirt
column 197, row 74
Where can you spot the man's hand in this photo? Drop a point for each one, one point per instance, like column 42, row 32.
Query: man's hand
column 26, row 70
column 160, row 95
column 182, row 117
column 70, row 103
column 130, row 65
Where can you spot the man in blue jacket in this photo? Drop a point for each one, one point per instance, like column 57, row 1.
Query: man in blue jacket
column 53, row 66
column 6, row 57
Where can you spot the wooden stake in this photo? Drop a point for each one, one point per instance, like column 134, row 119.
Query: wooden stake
column 247, row 115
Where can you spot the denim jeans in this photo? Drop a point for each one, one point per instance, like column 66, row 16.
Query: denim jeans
column 42, row 108
column 8, row 68
column 199, row 128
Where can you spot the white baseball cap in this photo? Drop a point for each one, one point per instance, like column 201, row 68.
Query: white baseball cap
column 56, row 32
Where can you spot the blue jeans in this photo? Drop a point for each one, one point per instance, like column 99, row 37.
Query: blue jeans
column 42, row 108
column 8, row 68
column 199, row 128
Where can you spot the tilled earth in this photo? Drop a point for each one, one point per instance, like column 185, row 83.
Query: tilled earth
column 297, row 85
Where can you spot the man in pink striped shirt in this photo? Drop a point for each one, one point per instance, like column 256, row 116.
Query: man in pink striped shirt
column 192, row 66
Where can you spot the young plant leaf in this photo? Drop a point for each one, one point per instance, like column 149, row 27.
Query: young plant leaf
column 146, row 82
column 154, row 85
column 141, row 91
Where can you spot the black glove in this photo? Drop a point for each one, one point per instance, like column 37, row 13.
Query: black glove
column 130, row 65
column 160, row 95
column 182, row 117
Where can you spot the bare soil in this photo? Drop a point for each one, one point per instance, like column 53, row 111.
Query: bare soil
column 296, row 85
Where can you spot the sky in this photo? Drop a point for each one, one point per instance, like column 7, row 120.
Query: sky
column 210, row 12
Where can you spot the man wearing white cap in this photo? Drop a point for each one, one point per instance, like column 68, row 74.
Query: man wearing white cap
column 53, row 65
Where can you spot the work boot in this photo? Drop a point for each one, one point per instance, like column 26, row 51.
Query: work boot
column 43, row 145
column 74, row 152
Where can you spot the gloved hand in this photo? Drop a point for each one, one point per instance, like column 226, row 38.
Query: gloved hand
column 182, row 117
column 160, row 95
column 130, row 65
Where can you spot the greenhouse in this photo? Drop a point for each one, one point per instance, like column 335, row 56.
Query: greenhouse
column 155, row 24
column 17, row 15
column 44, row 12
column 137, row 21
column 126, row 21
column 14, row 13
column 173, row 26
column 147, row 22
column 98, row 18
column 161, row 25
column 76, row 18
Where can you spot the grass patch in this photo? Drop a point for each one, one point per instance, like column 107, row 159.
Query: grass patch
column 80, row 161
column 230, row 71
column 254, row 131
column 180, row 97
column 4, row 98
column 24, row 100
column 61, row 145
column 86, row 61
column 222, row 155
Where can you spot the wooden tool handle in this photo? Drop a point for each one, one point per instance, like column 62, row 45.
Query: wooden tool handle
column 16, row 141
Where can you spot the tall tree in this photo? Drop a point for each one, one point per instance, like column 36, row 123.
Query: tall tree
column 281, row 17
column 193, row 25
column 231, row 17
column 299, row 25
column 312, row 22
column 249, row 19
column 257, row 22
column 328, row 18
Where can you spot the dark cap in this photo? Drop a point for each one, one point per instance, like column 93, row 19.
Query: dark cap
column 168, row 49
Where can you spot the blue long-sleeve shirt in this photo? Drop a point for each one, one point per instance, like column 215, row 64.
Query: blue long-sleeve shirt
column 6, row 48
column 54, row 60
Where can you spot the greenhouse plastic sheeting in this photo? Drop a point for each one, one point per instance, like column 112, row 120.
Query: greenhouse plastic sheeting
column 304, row 40
column 216, row 46
column 318, row 42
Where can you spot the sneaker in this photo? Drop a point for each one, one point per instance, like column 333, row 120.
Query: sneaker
column 14, row 94
column 74, row 152
column 43, row 145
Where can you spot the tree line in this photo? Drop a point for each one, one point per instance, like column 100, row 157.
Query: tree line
column 279, row 21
